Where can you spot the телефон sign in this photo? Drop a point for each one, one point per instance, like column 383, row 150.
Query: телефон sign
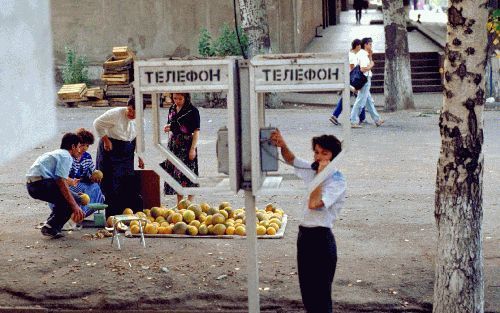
column 183, row 76
column 296, row 74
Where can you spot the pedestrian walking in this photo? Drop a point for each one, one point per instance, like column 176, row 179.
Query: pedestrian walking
column 46, row 180
column 316, row 247
column 358, row 7
column 353, row 61
column 364, row 98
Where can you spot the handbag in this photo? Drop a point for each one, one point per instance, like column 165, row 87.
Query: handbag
column 357, row 78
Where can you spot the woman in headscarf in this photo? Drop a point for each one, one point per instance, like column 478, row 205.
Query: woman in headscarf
column 183, row 126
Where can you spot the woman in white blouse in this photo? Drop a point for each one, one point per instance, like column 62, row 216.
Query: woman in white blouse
column 316, row 247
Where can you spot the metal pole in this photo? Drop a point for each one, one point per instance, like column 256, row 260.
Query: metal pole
column 253, row 273
column 246, row 164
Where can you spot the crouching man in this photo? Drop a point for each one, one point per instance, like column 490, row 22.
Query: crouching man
column 46, row 181
column 316, row 248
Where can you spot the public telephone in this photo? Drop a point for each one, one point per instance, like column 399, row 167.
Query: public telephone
column 268, row 152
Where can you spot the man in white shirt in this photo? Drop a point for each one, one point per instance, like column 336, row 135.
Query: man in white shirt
column 316, row 248
column 364, row 98
column 115, row 154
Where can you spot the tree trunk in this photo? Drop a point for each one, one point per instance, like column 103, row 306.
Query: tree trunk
column 459, row 281
column 397, row 83
column 254, row 22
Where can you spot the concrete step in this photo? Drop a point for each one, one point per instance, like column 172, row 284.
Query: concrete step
column 416, row 89
column 414, row 82
column 414, row 75
column 424, row 72
column 413, row 56
column 413, row 63
column 414, row 69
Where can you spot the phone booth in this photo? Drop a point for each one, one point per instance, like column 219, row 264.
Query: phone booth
column 291, row 73
column 158, row 76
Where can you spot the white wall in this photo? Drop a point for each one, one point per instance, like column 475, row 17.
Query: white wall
column 27, row 88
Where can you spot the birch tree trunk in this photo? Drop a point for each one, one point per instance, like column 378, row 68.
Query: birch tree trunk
column 254, row 22
column 459, row 281
column 398, row 91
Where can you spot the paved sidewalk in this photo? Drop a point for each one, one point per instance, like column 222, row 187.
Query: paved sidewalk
column 338, row 38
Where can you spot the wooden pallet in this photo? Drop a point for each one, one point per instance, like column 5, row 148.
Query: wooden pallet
column 94, row 103
column 118, row 102
column 72, row 91
column 113, row 62
column 95, row 93
column 74, row 100
column 121, row 52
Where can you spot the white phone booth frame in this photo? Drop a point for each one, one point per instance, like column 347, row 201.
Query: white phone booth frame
column 305, row 72
column 185, row 76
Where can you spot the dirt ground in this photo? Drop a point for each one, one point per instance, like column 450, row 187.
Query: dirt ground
column 386, row 234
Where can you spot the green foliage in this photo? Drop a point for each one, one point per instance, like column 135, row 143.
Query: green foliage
column 226, row 44
column 493, row 27
column 204, row 43
column 75, row 70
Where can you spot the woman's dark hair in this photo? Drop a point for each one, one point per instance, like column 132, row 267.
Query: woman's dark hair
column 356, row 42
column 187, row 97
column 328, row 142
column 70, row 139
column 364, row 41
column 86, row 136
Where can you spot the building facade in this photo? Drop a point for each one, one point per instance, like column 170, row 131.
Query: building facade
column 161, row 28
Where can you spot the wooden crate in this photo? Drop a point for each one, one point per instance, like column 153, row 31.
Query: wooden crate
column 95, row 93
column 72, row 91
column 150, row 188
column 121, row 52
column 113, row 62
column 115, row 78
column 74, row 100
column 99, row 103
column 114, row 102
column 119, row 90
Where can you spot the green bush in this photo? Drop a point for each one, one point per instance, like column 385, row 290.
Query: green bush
column 205, row 43
column 75, row 70
column 226, row 44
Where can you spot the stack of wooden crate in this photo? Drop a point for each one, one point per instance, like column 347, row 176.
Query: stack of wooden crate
column 72, row 93
column 118, row 76
column 96, row 97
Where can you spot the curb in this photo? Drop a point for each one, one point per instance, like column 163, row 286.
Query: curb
column 430, row 34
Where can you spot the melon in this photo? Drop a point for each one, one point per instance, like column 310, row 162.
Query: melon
column 180, row 228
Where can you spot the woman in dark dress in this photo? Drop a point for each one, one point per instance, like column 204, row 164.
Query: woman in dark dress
column 184, row 127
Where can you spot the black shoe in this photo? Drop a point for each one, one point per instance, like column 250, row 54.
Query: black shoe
column 51, row 232
column 334, row 120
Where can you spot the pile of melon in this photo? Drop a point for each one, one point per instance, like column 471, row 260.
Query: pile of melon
column 204, row 220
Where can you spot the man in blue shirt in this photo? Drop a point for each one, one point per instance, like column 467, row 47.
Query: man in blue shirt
column 46, row 181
